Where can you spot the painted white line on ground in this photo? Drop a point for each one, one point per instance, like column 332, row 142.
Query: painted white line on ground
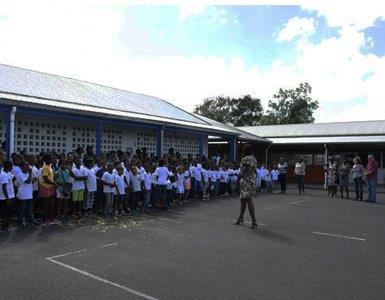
column 340, row 236
column 65, row 254
column 122, row 287
column 295, row 202
column 282, row 205
column 249, row 222
column 109, row 245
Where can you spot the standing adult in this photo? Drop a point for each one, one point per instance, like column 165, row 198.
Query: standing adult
column 344, row 172
column 247, row 184
column 299, row 172
column 371, row 174
column 282, row 176
column 357, row 173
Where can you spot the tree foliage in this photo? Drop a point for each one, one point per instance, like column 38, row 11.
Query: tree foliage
column 243, row 111
column 291, row 106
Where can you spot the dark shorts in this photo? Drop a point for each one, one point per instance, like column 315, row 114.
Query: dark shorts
column 4, row 209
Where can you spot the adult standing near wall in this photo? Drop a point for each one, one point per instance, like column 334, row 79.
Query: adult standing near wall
column 371, row 175
column 357, row 174
column 247, row 184
column 344, row 172
column 282, row 176
column 299, row 172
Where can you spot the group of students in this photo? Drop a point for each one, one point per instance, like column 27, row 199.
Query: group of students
column 48, row 188
column 268, row 178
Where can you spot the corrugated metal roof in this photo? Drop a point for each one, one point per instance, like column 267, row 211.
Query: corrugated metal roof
column 330, row 140
column 319, row 129
column 243, row 135
column 104, row 112
column 20, row 81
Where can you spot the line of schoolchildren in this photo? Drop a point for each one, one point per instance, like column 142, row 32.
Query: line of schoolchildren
column 46, row 189
column 267, row 178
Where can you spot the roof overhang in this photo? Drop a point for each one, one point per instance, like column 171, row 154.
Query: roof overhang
column 56, row 105
column 329, row 140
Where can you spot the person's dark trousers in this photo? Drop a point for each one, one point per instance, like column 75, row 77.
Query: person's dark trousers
column 162, row 194
column 135, row 200
column 263, row 184
column 193, row 190
column 359, row 189
column 24, row 209
column 282, row 178
column 229, row 188
column 301, row 183
column 154, row 195
column 4, row 214
column 199, row 189
column 169, row 196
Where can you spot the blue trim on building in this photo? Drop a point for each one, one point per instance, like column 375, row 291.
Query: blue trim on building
column 201, row 143
column 7, row 133
column 197, row 132
column 74, row 116
column 159, row 142
column 99, row 136
column 232, row 153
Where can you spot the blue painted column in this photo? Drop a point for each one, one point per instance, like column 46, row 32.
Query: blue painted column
column 159, row 141
column 233, row 149
column 10, row 131
column 99, row 136
column 201, row 144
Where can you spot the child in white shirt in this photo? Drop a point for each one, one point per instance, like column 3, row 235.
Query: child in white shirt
column 80, row 176
column 136, row 185
column 274, row 176
column 180, row 184
column 24, row 194
column 7, row 193
column 268, row 179
column 108, row 180
column 90, row 184
column 147, row 187
column 120, row 191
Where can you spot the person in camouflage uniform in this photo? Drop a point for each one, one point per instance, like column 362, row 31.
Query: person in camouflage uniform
column 247, row 177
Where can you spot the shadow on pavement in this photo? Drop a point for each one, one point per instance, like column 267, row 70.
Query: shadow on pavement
column 273, row 236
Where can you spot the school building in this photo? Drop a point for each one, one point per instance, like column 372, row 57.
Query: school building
column 40, row 112
column 316, row 143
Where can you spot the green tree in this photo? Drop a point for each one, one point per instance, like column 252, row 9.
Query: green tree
column 243, row 111
column 291, row 106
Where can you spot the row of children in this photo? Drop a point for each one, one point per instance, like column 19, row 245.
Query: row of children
column 75, row 187
column 267, row 178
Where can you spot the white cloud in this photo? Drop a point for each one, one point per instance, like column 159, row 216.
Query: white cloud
column 191, row 8
column 296, row 27
column 85, row 43
column 360, row 14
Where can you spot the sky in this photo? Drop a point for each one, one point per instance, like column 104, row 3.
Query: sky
column 185, row 53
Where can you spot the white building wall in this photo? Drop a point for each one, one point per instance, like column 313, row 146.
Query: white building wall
column 37, row 134
column 181, row 142
column 127, row 138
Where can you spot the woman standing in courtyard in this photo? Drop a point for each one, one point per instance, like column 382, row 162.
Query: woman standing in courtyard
column 247, row 185
column 299, row 172
column 344, row 172
column 357, row 173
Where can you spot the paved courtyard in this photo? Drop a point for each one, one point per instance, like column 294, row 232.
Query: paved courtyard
column 307, row 246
